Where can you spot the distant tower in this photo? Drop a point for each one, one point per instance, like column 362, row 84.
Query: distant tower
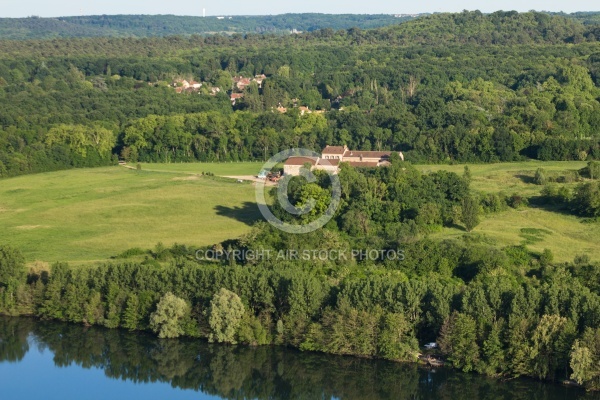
column 204, row 12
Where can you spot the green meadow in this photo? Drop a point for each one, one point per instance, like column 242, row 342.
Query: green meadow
column 566, row 235
column 91, row 215
column 507, row 177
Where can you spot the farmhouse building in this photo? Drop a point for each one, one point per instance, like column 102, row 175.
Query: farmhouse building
column 332, row 156
column 293, row 165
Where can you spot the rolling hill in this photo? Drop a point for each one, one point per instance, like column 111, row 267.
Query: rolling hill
column 167, row 25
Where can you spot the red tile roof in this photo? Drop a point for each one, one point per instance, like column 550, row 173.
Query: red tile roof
column 334, row 150
column 364, row 164
column 368, row 154
column 301, row 160
column 326, row 163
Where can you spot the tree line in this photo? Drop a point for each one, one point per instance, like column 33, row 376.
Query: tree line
column 169, row 25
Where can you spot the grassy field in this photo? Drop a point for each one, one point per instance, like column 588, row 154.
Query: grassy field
column 93, row 214
column 221, row 169
column 566, row 235
column 507, row 177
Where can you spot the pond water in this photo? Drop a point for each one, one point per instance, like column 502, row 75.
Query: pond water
column 49, row 360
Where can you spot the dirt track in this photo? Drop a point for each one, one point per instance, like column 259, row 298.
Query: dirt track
column 251, row 178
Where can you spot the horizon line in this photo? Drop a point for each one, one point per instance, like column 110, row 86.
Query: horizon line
column 33, row 16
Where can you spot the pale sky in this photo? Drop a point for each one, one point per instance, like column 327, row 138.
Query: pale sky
column 55, row 8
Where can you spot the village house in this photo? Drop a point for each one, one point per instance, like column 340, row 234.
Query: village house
column 304, row 110
column 183, row 85
column 241, row 83
column 259, row 79
column 235, row 97
column 280, row 108
column 332, row 156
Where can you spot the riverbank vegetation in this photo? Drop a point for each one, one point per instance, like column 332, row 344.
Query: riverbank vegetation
column 262, row 372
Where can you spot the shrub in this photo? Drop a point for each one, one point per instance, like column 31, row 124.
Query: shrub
column 136, row 251
column 593, row 170
column 517, row 201
column 493, row 203
column 540, row 177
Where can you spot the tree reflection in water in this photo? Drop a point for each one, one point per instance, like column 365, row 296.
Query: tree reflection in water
column 235, row 372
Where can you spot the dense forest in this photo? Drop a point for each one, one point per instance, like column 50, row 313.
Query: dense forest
column 444, row 88
column 168, row 25
column 498, row 311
